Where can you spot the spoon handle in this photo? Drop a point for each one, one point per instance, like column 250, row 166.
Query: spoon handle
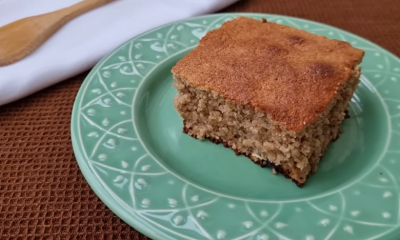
column 64, row 15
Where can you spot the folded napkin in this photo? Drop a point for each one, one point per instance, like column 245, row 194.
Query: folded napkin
column 82, row 42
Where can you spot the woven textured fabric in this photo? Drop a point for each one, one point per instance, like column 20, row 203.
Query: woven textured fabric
column 43, row 194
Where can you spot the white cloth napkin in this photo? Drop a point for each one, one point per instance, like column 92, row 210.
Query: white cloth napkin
column 82, row 42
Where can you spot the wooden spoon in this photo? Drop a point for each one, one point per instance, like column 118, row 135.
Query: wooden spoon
column 20, row 38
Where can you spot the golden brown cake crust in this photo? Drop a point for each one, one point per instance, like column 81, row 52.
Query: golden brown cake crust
column 289, row 73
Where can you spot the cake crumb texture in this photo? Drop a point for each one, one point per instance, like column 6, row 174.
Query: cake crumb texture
column 248, row 131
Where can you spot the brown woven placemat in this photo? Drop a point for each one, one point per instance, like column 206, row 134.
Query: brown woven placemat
column 43, row 194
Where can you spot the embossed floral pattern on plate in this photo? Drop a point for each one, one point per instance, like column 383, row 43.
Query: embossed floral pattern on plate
column 134, row 173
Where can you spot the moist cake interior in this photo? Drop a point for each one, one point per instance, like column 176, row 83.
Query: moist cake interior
column 248, row 131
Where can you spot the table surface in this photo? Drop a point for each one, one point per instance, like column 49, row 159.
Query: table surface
column 43, row 194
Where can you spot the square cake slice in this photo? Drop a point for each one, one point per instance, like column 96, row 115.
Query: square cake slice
column 274, row 93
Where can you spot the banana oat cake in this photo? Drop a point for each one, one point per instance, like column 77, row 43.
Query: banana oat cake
column 274, row 93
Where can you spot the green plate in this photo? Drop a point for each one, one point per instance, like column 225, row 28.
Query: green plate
column 129, row 144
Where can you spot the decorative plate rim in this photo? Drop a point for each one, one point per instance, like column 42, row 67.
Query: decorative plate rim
column 120, row 210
